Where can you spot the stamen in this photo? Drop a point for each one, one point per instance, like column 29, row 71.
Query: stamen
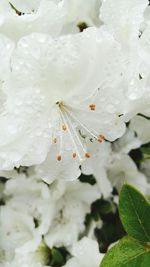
column 74, row 155
column 87, row 155
column 55, row 140
column 100, row 138
column 74, row 131
column 64, row 127
column 59, row 157
column 92, row 107
column 82, row 125
column 70, row 133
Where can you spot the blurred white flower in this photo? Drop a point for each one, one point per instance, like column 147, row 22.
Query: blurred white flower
column 38, row 258
column 122, row 170
column 127, row 142
column 121, row 167
column 141, row 126
column 85, row 246
column 85, row 254
column 70, row 210
column 26, row 215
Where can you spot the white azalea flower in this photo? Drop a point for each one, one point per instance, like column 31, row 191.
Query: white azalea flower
column 127, row 142
column 70, row 212
column 141, row 126
column 30, row 211
column 125, row 23
column 17, row 231
column 19, row 18
column 85, row 254
column 97, row 165
column 59, row 93
column 123, row 170
column 38, row 258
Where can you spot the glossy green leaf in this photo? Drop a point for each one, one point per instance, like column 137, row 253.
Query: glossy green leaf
column 134, row 212
column 127, row 253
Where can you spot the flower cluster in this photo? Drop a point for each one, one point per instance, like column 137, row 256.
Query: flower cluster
column 74, row 106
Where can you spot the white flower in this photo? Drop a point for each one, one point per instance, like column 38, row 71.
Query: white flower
column 123, row 169
column 70, row 211
column 26, row 215
column 141, row 126
column 38, row 258
column 125, row 24
column 85, row 254
column 59, row 92
column 19, row 18
column 127, row 142
column 17, row 231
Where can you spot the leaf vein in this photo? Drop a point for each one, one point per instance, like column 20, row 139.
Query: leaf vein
column 138, row 218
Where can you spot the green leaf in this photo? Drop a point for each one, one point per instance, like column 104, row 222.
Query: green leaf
column 127, row 253
column 134, row 212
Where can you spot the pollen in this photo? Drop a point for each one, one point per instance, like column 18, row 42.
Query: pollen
column 59, row 157
column 74, row 155
column 100, row 138
column 64, row 127
column 87, row 155
column 92, row 107
column 55, row 140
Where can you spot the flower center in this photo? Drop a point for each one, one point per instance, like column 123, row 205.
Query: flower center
column 70, row 129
